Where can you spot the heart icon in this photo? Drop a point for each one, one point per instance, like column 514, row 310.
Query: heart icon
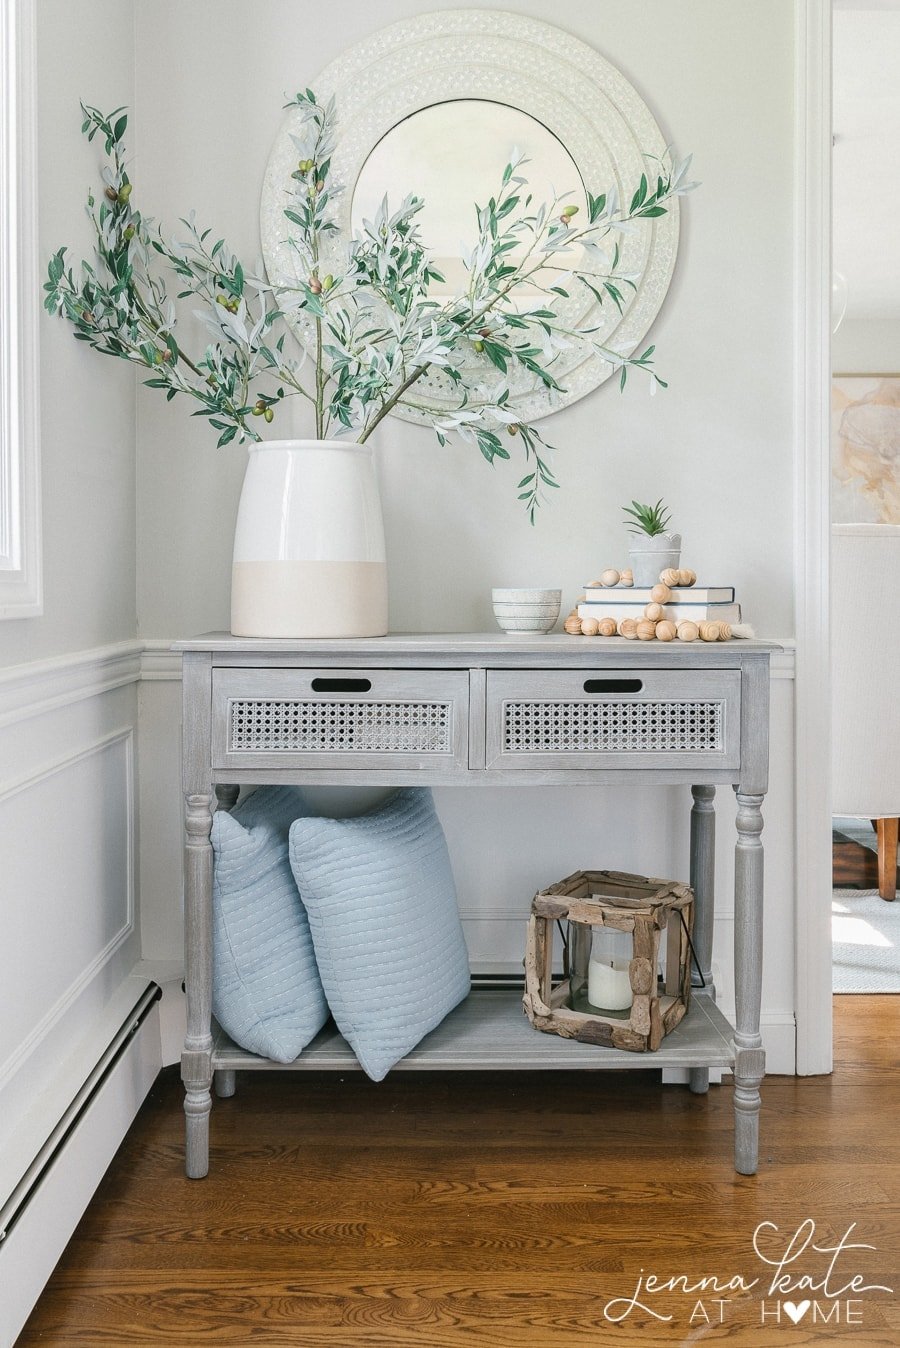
column 796, row 1312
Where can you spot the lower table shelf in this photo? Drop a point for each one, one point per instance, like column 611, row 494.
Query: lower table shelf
column 489, row 1032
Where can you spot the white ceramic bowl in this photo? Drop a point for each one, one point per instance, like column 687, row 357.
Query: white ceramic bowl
column 526, row 612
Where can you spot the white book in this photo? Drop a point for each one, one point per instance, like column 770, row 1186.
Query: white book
column 676, row 613
column 681, row 594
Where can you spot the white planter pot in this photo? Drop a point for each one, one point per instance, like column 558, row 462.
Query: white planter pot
column 648, row 556
column 309, row 543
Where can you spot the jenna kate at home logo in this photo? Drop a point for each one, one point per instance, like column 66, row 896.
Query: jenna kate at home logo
column 804, row 1275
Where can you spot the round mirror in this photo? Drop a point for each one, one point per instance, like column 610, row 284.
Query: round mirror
column 452, row 155
column 432, row 106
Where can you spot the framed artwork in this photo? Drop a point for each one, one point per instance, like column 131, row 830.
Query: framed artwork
column 865, row 449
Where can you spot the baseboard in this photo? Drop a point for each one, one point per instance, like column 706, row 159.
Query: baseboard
column 39, row 1221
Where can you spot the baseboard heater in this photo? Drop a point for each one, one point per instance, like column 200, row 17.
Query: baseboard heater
column 39, row 1216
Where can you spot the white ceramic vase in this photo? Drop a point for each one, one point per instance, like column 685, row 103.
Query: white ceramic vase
column 309, row 543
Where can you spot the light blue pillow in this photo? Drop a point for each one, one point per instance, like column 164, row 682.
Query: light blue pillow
column 382, row 910
column 267, row 994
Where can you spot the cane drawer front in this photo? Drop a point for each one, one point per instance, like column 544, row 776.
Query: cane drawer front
column 340, row 718
column 620, row 718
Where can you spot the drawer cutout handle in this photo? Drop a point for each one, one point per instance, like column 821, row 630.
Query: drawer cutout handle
column 613, row 685
column 341, row 685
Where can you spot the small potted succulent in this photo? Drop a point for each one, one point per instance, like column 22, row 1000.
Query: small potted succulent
column 652, row 547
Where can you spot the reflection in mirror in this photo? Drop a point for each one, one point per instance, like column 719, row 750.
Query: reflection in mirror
column 452, row 155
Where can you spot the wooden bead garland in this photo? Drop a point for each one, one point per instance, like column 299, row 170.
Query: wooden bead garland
column 653, row 625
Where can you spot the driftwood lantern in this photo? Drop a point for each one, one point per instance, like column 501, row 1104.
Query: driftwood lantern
column 612, row 992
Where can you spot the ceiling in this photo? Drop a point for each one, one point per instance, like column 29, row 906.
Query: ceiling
column 866, row 181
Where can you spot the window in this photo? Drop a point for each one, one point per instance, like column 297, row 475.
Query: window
column 20, row 561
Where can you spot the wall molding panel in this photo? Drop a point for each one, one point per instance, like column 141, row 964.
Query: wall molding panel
column 42, row 686
column 89, row 970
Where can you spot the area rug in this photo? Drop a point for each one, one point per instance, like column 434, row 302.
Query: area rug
column 865, row 932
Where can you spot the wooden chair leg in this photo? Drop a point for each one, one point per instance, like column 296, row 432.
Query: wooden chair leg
column 887, row 830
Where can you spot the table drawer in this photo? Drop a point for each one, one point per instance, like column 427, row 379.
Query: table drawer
column 340, row 718
column 620, row 718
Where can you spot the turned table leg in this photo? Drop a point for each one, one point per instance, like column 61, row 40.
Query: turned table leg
column 225, row 1082
column 703, row 867
column 750, row 1058
column 887, row 833
column 196, row 1060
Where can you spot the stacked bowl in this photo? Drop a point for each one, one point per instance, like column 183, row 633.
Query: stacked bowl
column 526, row 613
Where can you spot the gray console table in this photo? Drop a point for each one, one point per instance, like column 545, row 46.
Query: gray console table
column 456, row 709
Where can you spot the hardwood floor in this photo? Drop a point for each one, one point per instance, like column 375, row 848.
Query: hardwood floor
column 500, row 1211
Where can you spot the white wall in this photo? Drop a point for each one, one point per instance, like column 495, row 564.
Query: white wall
column 68, row 679
column 718, row 444
column 85, row 50
column 867, row 346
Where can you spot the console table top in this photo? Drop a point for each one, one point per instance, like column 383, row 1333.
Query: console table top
column 557, row 647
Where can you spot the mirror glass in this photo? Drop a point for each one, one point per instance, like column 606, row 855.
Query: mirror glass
column 452, row 155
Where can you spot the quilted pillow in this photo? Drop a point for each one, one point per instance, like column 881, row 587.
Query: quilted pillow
column 266, row 990
column 382, row 910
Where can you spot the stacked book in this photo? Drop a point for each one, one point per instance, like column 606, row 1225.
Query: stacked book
column 697, row 603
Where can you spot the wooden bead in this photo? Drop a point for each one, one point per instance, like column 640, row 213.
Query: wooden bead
column 670, row 576
column 610, row 577
column 687, row 631
column 628, row 628
column 589, row 627
column 726, row 633
column 654, row 612
column 608, row 627
column 687, row 577
column 626, row 577
column 666, row 631
column 646, row 630
column 661, row 594
column 710, row 631
column 573, row 626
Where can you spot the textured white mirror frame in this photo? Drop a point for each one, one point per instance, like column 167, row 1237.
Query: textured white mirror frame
column 503, row 58
column 20, row 519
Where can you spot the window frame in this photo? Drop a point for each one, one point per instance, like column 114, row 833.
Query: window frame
column 21, row 594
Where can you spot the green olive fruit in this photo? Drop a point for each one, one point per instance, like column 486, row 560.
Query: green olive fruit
column 257, row 411
column 327, row 282
column 128, row 233
column 269, row 414
column 124, row 193
column 222, row 299
column 478, row 345
column 513, row 428
column 569, row 211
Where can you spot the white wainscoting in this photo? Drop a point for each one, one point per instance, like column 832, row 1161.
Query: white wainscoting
column 70, row 898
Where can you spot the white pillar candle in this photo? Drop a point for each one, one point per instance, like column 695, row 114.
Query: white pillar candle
column 608, row 985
